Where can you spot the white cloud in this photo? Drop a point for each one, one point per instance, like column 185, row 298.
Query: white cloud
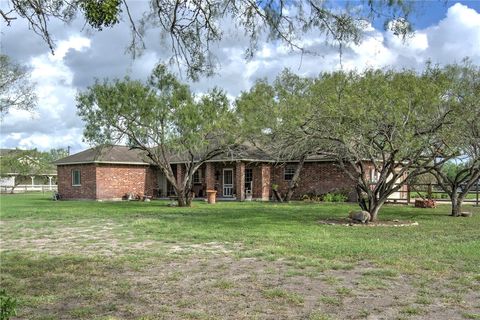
column 80, row 59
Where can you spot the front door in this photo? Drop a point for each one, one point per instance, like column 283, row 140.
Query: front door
column 228, row 182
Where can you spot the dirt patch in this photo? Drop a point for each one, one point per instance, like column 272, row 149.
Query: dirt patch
column 223, row 287
column 380, row 223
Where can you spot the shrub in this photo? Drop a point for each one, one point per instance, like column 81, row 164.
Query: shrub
column 328, row 197
column 7, row 305
column 338, row 197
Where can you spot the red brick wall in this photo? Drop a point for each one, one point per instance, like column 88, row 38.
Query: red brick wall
column 315, row 177
column 87, row 189
column 114, row 181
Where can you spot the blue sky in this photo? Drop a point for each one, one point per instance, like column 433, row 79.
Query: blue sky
column 444, row 34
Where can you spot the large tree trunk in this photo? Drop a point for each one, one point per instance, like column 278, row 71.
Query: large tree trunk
column 374, row 209
column 293, row 184
column 455, row 204
column 181, row 199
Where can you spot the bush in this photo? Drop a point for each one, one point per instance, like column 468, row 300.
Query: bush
column 338, row 197
column 312, row 197
column 328, row 197
column 7, row 305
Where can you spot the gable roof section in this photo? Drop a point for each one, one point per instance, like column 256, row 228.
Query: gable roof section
column 106, row 154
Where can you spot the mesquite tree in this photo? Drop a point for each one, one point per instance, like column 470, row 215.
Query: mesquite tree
column 163, row 119
column 272, row 116
column 380, row 124
column 16, row 89
column 191, row 28
column 462, row 137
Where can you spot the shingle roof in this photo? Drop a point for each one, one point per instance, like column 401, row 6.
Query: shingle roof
column 126, row 155
column 106, row 154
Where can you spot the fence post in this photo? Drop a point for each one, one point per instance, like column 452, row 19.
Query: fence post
column 478, row 187
column 408, row 194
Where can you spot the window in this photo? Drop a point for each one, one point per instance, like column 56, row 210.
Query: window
column 248, row 179
column 289, row 172
column 197, row 177
column 248, row 175
column 75, row 177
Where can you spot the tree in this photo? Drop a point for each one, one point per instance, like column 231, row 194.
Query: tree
column 23, row 163
column 193, row 26
column 163, row 119
column 16, row 90
column 382, row 125
column 462, row 138
column 271, row 119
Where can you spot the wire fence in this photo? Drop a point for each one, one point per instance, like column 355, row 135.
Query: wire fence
column 409, row 193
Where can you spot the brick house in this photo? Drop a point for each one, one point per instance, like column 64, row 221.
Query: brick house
column 113, row 172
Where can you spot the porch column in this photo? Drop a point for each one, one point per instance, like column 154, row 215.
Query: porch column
column 266, row 181
column 240, row 180
column 209, row 176
column 50, row 182
column 33, row 180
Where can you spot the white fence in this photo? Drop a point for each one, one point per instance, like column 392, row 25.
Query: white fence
column 29, row 188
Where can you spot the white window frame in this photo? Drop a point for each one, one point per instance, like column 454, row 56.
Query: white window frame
column 79, row 178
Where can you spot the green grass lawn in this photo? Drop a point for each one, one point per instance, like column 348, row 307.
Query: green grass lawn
column 136, row 260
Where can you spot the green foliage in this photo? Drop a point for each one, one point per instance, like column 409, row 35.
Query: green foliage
column 161, row 117
column 16, row 90
column 8, row 305
column 326, row 197
column 101, row 13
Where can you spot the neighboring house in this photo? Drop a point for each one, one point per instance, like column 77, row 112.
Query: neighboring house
column 12, row 177
column 115, row 171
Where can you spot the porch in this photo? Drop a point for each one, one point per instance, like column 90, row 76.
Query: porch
column 232, row 180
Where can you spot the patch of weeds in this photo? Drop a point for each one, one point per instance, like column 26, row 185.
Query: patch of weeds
column 293, row 273
column 174, row 276
column 331, row 280
column 453, row 298
column 474, row 316
column 364, row 313
column 223, row 284
column 412, row 311
column 291, row 297
column 81, row 312
column 196, row 315
column 332, row 301
column 381, row 273
column 318, row 315
column 344, row 291
column 184, row 303
column 342, row 266
column 8, row 305
column 423, row 299
column 372, row 283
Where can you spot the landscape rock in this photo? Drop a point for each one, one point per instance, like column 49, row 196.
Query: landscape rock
column 360, row 216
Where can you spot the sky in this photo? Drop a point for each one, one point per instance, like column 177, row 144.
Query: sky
column 444, row 33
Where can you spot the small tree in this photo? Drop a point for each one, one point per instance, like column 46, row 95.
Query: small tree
column 382, row 124
column 163, row 119
column 462, row 137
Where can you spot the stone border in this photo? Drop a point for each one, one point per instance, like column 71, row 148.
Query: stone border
column 349, row 223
